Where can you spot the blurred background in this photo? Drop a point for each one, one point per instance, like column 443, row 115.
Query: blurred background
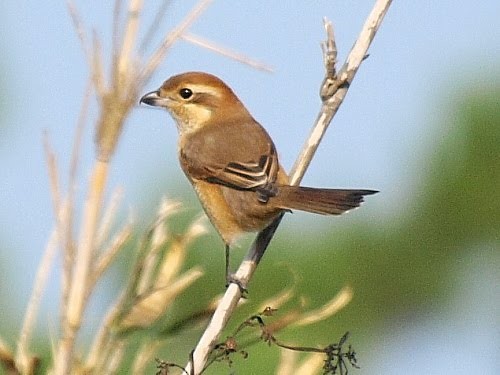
column 421, row 123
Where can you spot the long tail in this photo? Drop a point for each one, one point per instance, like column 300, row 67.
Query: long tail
column 320, row 201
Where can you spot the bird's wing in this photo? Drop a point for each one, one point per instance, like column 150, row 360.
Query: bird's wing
column 250, row 175
column 242, row 157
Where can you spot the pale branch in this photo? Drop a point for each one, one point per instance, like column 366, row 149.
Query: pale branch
column 170, row 39
column 23, row 357
column 332, row 99
column 154, row 26
column 108, row 217
column 129, row 39
column 224, row 51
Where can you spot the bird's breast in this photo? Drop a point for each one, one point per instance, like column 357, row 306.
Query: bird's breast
column 216, row 207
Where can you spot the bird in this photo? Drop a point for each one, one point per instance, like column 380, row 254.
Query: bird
column 232, row 162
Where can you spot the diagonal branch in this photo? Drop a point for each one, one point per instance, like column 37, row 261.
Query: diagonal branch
column 333, row 96
column 224, row 51
column 171, row 38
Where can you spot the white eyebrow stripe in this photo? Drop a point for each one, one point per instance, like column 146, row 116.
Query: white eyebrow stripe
column 205, row 89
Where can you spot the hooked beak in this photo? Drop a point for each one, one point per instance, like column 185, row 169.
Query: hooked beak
column 154, row 99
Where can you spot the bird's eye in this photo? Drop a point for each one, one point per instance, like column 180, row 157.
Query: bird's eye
column 185, row 93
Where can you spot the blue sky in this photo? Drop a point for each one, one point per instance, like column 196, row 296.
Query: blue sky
column 384, row 129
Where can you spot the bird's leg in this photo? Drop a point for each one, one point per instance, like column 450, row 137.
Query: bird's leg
column 230, row 278
column 266, row 191
column 228, row 275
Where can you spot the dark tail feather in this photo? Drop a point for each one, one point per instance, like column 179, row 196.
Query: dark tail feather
column 319, row 201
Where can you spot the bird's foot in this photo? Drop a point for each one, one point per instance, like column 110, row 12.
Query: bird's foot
column 231, row 279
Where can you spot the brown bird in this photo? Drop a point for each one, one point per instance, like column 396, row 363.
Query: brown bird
column 232, row 162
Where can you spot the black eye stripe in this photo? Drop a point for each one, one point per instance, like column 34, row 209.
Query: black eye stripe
column 185, row 93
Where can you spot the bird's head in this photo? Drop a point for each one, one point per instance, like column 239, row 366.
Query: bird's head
column 196, row 100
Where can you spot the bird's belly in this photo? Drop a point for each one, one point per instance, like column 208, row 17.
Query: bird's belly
column 250, row 214
column 233, row 212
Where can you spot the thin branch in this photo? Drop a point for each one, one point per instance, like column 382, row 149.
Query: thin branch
column 77, row 144
column 114, row 360
column 80, row 29
column 313, row 362
column 23, row 358
column 158, row 236
column 65, row 231
column 247, row 268
column 129, row 39
column 224, row 51
column 61, row 214
column 81, row 270
column 108, row 217
column 65, row 238
column 97, row 68
column 153, row 304
column 145, row 354
column 52, row 169
column 116, row 32
column 287, row 363
column 104, row 261
column 328, row 309
column 171, row 38
column 115, row 37
column 154, row 26
column 86, row 251
column 100, row 341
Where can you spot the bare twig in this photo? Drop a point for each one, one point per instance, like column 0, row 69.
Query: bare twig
column 109, row 217
column 114, row 360
column 115, row 37
column 154, row 26
column 100, row 341
column 97, row 68
column 110, row 253
column 65, row 231
column 80, row 29
column 159, row 237
column 144, row 356
column 53, row 172
column 224, row 51
column 23, row 359
column 310, row 365
column 80, row 275
column 86, row 250
column 152, row 305
column 287, row 362
column 247, row 268
column 131, row 28
column 77, row 143
column 171, row 38
column 335, row 304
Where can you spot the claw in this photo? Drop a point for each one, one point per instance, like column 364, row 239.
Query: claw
column 231, row 279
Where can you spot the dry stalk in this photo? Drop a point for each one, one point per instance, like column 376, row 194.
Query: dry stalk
column 331, row 103
column 151, row 287
column 154, row 26
column 24, row 360
column 108, row 217
column 171, row 38
column 241, row 58
column 328, row 309
column 116, row 98
column 145, row 355
column 109, row 254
